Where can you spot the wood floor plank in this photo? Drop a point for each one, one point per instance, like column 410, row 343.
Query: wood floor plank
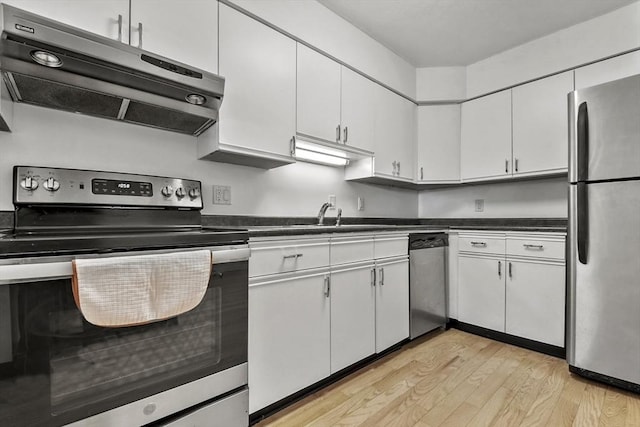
column 457, row 379
column 614, row 409
column 590, row 406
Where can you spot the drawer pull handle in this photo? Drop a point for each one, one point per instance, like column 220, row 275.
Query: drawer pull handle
column 327, row 286
column 479, row 244
column 373, row 277
column 538, row 247
column 510, row 271
column 499, row 268
column 294, row 256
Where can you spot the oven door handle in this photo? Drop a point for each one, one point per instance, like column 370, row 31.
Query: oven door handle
column 38, row 272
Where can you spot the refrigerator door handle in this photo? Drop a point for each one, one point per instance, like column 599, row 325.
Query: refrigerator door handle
column 583, row 222
column 583, row 142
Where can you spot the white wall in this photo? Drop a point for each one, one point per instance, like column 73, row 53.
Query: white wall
column 527, row 199
column 606, row 35
column 44, row 137
column 315, row 24
column 441, row 84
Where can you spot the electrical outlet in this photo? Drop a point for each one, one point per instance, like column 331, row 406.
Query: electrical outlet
column 332, row 201
column 360, row 203
column 221, row 194
column 479, row 205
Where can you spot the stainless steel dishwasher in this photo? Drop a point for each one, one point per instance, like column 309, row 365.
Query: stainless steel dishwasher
column 427, row 282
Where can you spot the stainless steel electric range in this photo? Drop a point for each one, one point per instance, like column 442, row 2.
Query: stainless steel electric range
column 56, row 368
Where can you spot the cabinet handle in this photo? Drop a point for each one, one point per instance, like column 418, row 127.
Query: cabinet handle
column 292, row 147
column 381, row 277
column 499, row 268
column 120, row 28
column 479, row 244
column 373, row 277
column 538, row 247
column 346, row 134
column 338, row 133
column 327, row 286
column 516, row 164
column 506, row 166
column 295, row 256
column 421, row 172
column 140, row 35
column 510, row 273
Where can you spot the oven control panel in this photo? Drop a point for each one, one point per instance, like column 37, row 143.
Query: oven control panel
column 40, row 185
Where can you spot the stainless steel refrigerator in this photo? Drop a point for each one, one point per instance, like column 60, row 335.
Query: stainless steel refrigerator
column 603, row 310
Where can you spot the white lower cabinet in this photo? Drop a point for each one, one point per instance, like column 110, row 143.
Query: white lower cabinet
column 481, row 293
column 392, row 302
column 535, row 301
column 289, row 335
column 353, row 314
column 517, row 288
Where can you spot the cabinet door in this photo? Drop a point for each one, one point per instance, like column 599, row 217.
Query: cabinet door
column 606, row 71
column 97, row 16
column 481, row 293
column 184, row 30
column 486, row 137
column 358, row 110
column 392, row 303
column 352, row 316
column 540, row 125
column 318, row 97
column 257, row 113
column 438, row 143
column 288, row 337
column 535, row 305
column 395, row 131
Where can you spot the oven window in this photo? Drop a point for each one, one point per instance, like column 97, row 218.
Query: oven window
column 55, row 367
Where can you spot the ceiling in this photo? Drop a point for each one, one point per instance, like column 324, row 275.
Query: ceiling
column 431, row 33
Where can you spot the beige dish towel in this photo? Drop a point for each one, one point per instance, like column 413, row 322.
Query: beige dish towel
column 133, row 290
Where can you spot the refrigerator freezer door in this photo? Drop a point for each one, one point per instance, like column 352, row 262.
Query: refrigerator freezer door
column 611, row 139
column 604, row 293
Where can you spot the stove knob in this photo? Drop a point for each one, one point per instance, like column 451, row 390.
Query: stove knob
column 180, row 193
column 51, row 184
column 29, row 183
column 167, row 191
column 194, row 193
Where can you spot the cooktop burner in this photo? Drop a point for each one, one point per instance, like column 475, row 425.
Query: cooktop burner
column 70, row 211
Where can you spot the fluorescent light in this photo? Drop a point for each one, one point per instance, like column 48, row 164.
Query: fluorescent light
column 319, row 154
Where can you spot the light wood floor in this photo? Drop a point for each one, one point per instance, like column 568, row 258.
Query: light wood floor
column 458, row 379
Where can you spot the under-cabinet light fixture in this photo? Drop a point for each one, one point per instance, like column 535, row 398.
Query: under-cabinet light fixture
column 320, row 154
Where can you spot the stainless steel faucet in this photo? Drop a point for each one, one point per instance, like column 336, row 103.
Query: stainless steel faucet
column 323, row 210
column 339, row 217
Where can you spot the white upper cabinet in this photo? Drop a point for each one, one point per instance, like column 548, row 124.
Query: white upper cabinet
column 438, row 144
column 486, row 137
column 394, row 135
column 318, row 96
column 358, row 110
column 606, row 71
column 184, row 30
column 540, row 125
column 97, row 16
column 257, row 113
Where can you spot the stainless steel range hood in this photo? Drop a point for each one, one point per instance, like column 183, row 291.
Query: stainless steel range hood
column 50, row 64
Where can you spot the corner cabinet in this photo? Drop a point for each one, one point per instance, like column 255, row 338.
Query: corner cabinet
column 257, row 116
column 438, row 144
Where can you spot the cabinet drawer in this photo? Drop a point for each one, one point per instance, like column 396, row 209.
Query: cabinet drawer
column 536, row 248
column 284, row 256
column 351, row 249
column 386, row 246
column 481, row 244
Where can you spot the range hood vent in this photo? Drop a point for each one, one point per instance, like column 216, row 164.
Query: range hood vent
column 50, row 64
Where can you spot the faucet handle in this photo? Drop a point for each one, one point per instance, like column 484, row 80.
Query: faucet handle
column 339, row 216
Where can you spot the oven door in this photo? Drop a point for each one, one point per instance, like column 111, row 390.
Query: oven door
column 56, row 368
